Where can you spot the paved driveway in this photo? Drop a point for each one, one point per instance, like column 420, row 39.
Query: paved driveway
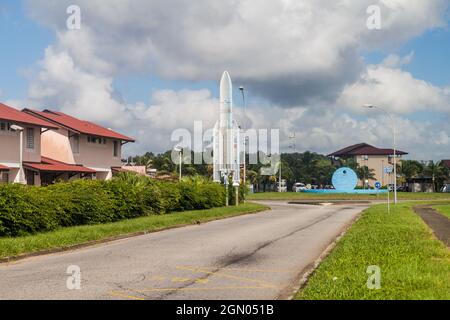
column 260, row 256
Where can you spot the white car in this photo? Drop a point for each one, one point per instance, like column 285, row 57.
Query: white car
column 299, row 187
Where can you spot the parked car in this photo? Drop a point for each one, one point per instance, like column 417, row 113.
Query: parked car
column 299, row 187
column 446, row 188
column 402, row 189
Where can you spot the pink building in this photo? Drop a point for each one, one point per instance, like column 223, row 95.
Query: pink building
column 20, row 143
column 79, row 143
column 39, row 148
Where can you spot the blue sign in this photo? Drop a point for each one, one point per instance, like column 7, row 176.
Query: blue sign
column 388, row 170
column 345, row 179
column 378, row 185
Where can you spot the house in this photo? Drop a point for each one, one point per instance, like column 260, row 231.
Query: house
column 80, row 143
column 372, row 157
column 20, row 144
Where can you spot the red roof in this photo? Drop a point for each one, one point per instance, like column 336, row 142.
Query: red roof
column 50, row 165
column 78, row 125
column 3, row 168
column 13, row 115
column 365, row 149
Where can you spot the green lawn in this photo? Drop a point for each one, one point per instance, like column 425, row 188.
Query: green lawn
column 414, row 264
column 67, row 237
column 444, row 209
column 310, row 196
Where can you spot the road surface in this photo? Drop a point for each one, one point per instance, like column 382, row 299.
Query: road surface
column 260, row 256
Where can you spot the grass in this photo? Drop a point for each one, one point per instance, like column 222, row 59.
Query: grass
column 443, row 209
column 414, row 264
column 67, row 237
column 310, row 196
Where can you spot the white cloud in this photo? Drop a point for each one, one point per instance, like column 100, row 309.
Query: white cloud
column 287, row 50
column 395, row 61
column 396, row 90
column 61, row 84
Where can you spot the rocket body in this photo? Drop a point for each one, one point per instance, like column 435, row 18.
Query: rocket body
column 226, row 136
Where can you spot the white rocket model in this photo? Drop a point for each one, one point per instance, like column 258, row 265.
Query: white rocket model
column 226, row 137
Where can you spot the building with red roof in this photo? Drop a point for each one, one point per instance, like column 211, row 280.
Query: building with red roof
column 20, row 141
column 79, row 143
column 376, row 159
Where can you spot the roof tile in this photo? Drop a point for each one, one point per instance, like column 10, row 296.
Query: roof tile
column 8, row 113
column 78, row 125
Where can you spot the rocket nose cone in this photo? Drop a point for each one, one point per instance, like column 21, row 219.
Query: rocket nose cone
column 225, row 87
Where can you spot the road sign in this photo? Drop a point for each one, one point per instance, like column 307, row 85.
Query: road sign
column 388, row 170
column 378, row 185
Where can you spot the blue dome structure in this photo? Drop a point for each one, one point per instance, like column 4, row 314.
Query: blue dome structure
column 345, row 180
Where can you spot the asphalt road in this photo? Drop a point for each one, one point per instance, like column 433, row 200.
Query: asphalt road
column 259, row 256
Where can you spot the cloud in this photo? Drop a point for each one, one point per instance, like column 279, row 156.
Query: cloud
column 395, row 90
column 302, row 57
column 395, row 61
column 321, row 128
column 287, row 51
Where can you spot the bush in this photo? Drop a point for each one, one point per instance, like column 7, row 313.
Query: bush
column 198, row 193
column 25, row 210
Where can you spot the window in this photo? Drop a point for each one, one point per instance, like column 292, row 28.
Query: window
column 116, row 149
column 4, row 177
column 75, row 143
column 30, row 138
column 5, row 126
column 92, row 139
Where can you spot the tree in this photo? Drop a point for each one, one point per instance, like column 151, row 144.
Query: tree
column 408, row 169
column 438, row 173
column 364, row 173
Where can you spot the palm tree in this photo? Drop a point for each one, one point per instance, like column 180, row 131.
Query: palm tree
column 408, row 169
column 364, row 173
column 438, row 173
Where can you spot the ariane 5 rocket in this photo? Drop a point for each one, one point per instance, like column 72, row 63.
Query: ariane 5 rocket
column 226, row 140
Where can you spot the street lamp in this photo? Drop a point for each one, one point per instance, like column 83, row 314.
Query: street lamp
column 242, row 89
column 19, row 129
column 179, row 149
column 369, row 106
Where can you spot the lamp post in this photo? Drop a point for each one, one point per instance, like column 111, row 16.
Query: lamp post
column 20, row 130
column 242, row 89
column 179, row 149
column 369, row 106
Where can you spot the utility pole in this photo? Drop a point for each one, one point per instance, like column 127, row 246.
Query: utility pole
column 242, row 89
column 279, row 184
column 394, row 129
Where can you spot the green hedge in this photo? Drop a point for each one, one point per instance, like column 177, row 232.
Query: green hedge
column 25, row 209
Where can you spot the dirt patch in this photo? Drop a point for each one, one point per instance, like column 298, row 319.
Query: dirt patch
column 437, row 222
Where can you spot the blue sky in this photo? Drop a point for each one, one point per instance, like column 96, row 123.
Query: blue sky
column 24, row 42
column 26, row 38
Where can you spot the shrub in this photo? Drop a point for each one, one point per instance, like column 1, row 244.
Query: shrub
column 25, row 210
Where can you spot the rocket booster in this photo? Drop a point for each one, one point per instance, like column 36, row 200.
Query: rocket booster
column 226, row 135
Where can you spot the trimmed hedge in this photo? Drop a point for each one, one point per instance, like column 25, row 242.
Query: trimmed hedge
column 26, row 210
